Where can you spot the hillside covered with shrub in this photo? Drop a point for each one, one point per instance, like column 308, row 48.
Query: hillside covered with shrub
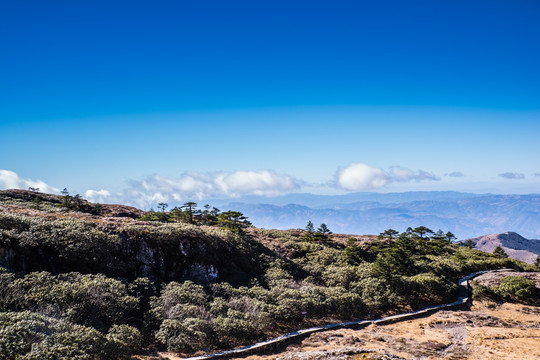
column 89, row 281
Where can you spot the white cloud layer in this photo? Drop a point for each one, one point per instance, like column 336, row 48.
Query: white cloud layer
column 97, row 196
column 10, row 180
column 197, row 186
column 359, row 176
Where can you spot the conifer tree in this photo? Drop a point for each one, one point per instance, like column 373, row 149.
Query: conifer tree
column 190, row 209
column 499, row 252
column 388, row 234
column 323, row 229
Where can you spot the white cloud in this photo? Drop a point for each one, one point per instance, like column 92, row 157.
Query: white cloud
column 403, row 174
column 359, row 176
column 197, row 186
column 10, row 180
column 97, row 196
column 263, row 183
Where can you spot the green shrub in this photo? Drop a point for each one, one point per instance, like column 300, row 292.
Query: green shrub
column 428, row 287
column 339, row 275
column 481, row 292
column 517, row 288
column 92, row 300
column 183, row 336
column 30, row 336
column 175, row 293
column 377, row 293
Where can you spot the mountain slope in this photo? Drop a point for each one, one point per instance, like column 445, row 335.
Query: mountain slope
column 515, row 245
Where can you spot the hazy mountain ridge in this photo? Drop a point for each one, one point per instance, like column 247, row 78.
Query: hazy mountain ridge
column 335, row 201
column 466, row 215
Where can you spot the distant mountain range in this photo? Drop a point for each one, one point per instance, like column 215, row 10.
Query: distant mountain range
column 515, row 245
column 466, row 215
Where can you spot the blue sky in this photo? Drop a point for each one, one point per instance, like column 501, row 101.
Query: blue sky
column 141, row 101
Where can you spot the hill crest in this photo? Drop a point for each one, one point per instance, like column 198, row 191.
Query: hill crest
column 515, row 245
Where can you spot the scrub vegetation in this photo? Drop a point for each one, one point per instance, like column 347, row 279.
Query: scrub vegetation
column 518, row 289
column 78, row 285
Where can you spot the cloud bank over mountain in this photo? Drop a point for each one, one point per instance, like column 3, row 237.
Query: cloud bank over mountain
column 273, row 200
column 360, row 176
column 98, row 196
column 263, row 184
column 199, row 186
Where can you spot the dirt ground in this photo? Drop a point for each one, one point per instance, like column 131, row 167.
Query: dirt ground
column 487, row 331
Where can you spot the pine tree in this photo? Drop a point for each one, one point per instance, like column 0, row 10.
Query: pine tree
column 310, row 228
column 499, row 252
column 450, row 237
column 190, row 209
column 388, row 234
column 323, row 229
column 162, row 206
column 234, row 221
column 309, row 231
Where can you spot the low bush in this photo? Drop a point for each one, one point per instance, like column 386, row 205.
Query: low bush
column 30, row 336
column 517, row 288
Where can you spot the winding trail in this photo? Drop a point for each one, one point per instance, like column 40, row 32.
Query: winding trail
column 464, row 294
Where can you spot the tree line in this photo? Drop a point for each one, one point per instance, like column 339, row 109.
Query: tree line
column 189, row 213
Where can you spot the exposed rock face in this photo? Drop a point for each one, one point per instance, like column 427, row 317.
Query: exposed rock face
column 120, row 247
column 515, row 245
column 178, row 257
